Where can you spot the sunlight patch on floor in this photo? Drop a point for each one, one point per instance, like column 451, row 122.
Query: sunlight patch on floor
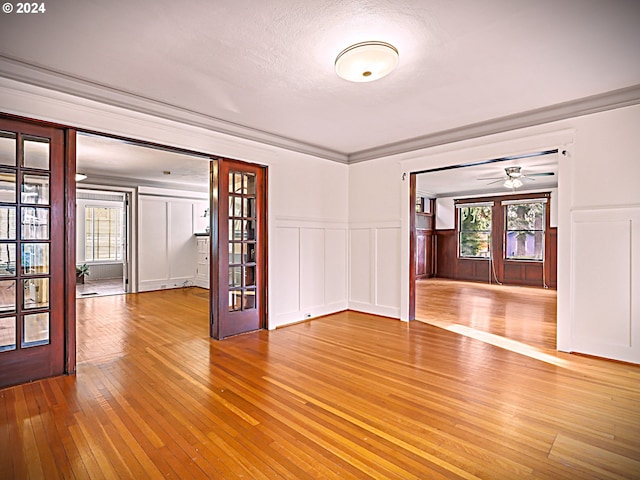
column 501, row 342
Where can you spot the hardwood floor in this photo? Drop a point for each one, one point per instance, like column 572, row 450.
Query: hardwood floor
column 346, row 396
column 522, row 314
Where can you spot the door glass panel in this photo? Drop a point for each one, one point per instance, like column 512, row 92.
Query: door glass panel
column 250, row 276
column 36, row 153
column 235, row 206
column 249, row 300
column 250, row 207
column 36, row 293
column 231, row 183
column 235, row 253
column 249, row 253
column 249, row 230
column 235, row 300
column 249, row 184
column 235, row 276
column 8, row 148
column 7, row 187
column 7, row 333
column 235, row 183
column 36, row 330
column 235, row 229
column 7, row 223
column 35, row 223
column 7, row 259
column 35, row 258
column 7, row 296
column 35, row 189
column 242, row 241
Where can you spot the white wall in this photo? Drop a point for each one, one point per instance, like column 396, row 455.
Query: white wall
column 375, row 237
column 308, row 251
column 600, row 171
column 305, row 193
column 167, row 247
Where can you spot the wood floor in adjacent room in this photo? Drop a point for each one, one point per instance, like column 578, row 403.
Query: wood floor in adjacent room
column 520, row 314
column 346, row 396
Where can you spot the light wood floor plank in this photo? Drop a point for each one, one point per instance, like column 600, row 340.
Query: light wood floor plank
column 348, row 396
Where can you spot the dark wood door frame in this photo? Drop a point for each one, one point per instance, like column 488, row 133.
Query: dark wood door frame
column 412, row 246
column 62, row 218
column 217, row 308
column 70, row 251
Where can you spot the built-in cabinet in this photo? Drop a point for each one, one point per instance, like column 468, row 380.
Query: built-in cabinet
column 203, row 266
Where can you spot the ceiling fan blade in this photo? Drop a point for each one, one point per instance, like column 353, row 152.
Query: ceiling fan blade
column 544, row 174
column 490, row 178
column 497, row 181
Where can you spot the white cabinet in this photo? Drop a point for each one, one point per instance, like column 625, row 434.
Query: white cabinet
column 202, row 271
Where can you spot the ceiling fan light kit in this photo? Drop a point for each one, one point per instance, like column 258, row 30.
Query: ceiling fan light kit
column 513, row 183
column 366, row 61
column 515, row 178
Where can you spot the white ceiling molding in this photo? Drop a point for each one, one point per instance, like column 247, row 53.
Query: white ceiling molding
column 585, row 106
column 20, row 71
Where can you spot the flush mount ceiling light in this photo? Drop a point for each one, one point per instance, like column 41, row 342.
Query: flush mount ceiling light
column 366, row 61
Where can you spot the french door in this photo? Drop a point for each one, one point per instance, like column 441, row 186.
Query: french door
column 32, row 252
column 238, row 248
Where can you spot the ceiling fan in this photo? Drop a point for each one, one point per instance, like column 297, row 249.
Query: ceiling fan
column 514, row 177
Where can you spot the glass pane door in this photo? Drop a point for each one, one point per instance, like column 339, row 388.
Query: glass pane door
column 241, row 242
column 31, row 319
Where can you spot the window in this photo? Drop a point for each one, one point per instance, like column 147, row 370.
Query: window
column 474, row 230
column 524, row 230
column 103, row 234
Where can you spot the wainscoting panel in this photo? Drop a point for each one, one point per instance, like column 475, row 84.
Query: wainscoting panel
column 312, row 268
column 387, row 271
column 285, row 261
column 361, row 257
column 105, row 271
column 374, row 272
column 153, row 255
column 336, row 266
column 605, row 283
column 167, row 248
column 307, row 265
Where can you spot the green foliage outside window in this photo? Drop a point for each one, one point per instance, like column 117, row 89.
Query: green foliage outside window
column 475, row 231
column 525, row 231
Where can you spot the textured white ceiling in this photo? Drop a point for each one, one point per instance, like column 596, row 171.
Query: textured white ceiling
column 111, row 161
column 268, row 65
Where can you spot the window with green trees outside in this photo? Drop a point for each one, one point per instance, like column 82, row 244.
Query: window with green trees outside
column 474, row 231
column 525, row 231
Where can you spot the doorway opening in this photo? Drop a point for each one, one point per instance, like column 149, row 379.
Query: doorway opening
column 141, row 211
column 102, row 242
column 483, row 248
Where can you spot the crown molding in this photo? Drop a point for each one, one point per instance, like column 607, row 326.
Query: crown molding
column 561, row 111
column 18, row 70
column 31, row 74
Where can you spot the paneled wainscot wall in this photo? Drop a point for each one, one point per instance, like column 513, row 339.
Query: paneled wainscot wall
column 312, row 256
column 374, row 271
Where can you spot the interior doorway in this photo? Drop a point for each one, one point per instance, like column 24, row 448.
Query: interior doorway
column 102, row 242
column 486, row 228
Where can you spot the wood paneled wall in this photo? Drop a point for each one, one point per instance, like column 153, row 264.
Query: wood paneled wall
column 510, row 272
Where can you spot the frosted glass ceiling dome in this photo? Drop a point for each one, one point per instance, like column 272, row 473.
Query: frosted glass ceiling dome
column 366, row 61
